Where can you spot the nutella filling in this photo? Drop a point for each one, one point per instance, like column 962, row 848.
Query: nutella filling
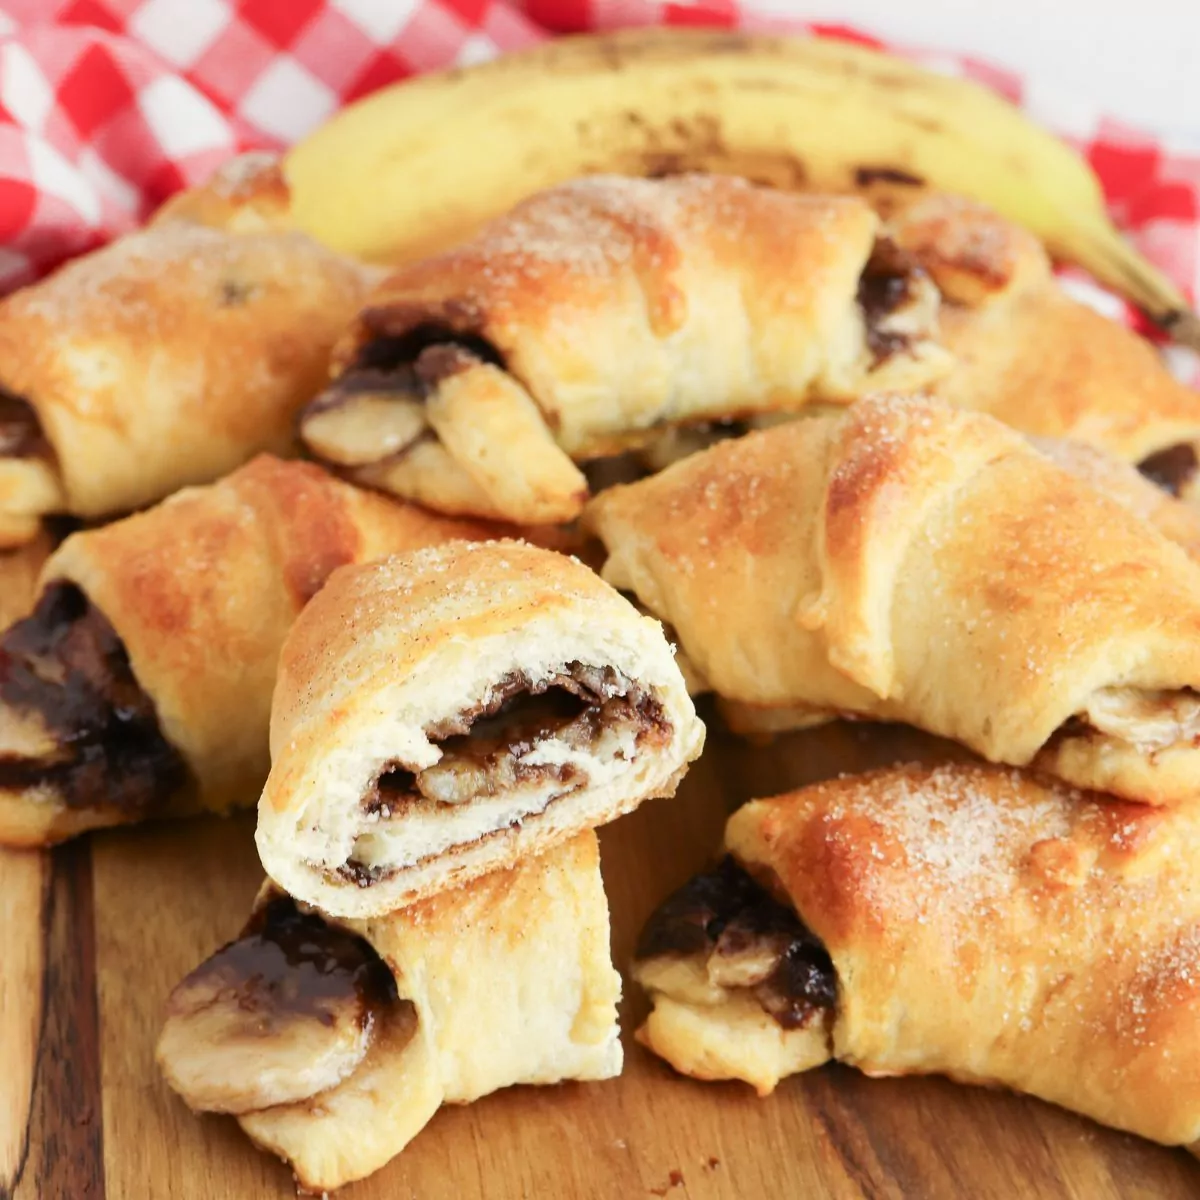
column 526, row 736
column 285, row 1012
column 373, row 410
column 748, row 939
column 93, row 734
column 1171, row 469
column 889, row 286
column 20, row 431
column 289, row 963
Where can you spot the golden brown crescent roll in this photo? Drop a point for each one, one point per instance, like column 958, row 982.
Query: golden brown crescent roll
column 443, row 713
column 964, row 920
column 166, row 358
column 1028, row 354
column 597, row 313
column 334, row 1043
column 141, row 684
column 908, row 561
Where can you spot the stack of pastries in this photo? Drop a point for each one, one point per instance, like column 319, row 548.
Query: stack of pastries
column 323, row 558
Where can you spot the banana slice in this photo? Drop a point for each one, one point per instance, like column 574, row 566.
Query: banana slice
column 359, row 428
column 285, row 1012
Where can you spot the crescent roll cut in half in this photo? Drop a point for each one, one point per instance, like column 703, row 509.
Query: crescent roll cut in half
column 598, row 313
column 440, row 714
column 167, row 358
column 140, row 685
column 961, row 920
column 907, row 561
column 334, row 1043
column 1027, row 353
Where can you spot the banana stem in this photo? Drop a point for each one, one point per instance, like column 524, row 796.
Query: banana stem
column 1183, row 326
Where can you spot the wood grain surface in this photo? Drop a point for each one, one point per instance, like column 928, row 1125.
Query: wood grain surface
column 97, row 934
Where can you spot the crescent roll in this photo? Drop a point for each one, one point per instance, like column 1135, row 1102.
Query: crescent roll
column 334, row 1043
column 908, row 561
column 443, row 713
column 167, row 358
column 141, row 684
column 961, row 920
column 598, row 313
column 1028, row 354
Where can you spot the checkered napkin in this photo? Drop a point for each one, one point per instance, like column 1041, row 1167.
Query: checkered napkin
column 108, row 106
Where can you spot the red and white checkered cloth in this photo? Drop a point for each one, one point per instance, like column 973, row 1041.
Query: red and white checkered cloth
column 108, row 106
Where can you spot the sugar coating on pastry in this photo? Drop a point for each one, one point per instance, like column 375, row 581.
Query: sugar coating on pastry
column 440, row 714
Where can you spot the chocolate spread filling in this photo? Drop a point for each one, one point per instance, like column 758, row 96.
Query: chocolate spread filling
column 407, row 365
column 484, row 747
column 20, row 431
column 65, row 664
column 725, row 914
column 1171, row 469
column 289, row 963
column 885, row 285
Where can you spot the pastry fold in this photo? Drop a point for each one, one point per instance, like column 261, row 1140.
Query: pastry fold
column 141, row 684
column 334, row 1043
column 598, row 313
column 167, row 358
column 1031, row 356
column 908, row 561
column 961, row 920
column 443, row 713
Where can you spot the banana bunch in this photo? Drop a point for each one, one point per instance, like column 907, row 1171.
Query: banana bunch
column 419, row 165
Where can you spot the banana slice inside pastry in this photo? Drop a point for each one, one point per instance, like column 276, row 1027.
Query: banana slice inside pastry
column 286, row 1011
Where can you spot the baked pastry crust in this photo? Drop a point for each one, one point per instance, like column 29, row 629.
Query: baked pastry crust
column 1176, row 520
column 167, row 358
column 511, row 982
column 246, row 194
column 1114, row 477
column 1027, row 353
column 200, row 592
column 982, row 925
column 598, row 313
column 908, row 561
column 378, row 793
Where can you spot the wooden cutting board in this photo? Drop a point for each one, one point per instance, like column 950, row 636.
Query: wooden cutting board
column 96, row 934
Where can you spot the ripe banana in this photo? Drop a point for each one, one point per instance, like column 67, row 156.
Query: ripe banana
column 419, row 165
